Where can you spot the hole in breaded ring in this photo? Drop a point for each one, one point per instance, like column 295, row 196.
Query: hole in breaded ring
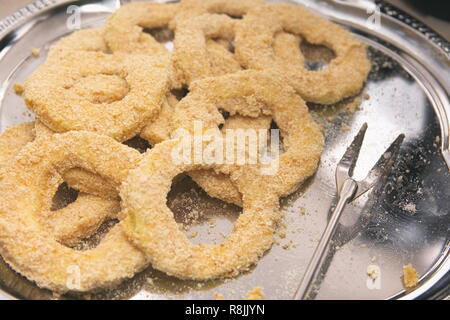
column 179, row 94
column 150, row 224
column 138, row 143
column 161, row 35
column 344, row 76
column 317, row 57
column 253, row 94
column 64, row 196
column 203, row 219
column 74, row 92
column 297, row 51
column 26, row 194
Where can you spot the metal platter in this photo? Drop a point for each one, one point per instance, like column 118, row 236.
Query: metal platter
column 404, row 220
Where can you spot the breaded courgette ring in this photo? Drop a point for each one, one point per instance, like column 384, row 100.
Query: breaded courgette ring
column 26, row 191
column 151, row 226
column 115, row 95
column 72, row 223
column 344, row 76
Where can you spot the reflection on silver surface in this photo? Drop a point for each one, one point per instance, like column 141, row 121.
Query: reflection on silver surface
column 404, row 220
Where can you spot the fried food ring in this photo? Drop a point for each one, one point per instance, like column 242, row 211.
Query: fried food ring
column 150, row 224
column 115, row 95
column 33, row 178
column 252, row 93
column 344, row 76
column 72, row 223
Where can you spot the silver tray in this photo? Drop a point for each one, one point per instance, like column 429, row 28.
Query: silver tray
column 404, row 220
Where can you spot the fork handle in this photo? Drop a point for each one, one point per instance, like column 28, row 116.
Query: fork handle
column 345, row 196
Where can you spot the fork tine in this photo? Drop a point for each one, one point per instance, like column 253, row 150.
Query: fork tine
column 383, row 165
column 345, row 167
column 350, row 156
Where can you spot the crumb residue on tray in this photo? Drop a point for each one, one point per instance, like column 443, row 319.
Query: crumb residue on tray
column 18, row 88
column 35, row 52
column 218, row 296
column 372, row 272
column 410, row 276
column 255, row 294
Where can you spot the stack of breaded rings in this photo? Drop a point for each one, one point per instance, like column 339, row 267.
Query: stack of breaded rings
column 100, row 87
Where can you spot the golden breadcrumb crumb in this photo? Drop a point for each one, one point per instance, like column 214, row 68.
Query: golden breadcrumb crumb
column 372, row 272
column 255, row 294
column 35, row 52
column 218, row 296
column 18, row 88
column 410, row 276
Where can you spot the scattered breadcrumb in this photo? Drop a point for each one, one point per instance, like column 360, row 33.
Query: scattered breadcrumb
column 193, row 234
column 302, row 211
column 410, row 207
column 56, row 295
column 18, row 88
column 410, row 276
column 345, row 127
column 366, row 96
column 218, row 296
column 149, row 280
column 372, row 272
column 35, row 52
column 289, row 245
column 255, row 294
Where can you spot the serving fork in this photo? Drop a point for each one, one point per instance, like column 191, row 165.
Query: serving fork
column 348, row 189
